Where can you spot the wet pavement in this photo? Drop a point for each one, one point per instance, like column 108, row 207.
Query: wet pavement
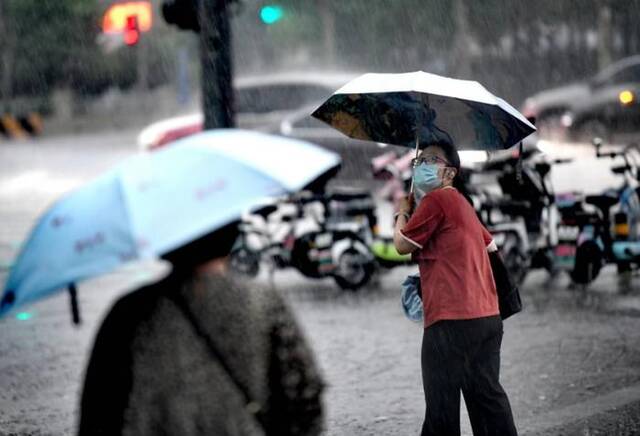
column 571, row 360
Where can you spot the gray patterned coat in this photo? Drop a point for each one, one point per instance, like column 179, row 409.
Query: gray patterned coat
column 152, row 372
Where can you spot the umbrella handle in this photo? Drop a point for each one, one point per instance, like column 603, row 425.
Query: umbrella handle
column 73, row 299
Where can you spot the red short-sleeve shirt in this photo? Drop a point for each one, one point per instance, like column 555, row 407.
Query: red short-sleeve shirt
column 455, row 272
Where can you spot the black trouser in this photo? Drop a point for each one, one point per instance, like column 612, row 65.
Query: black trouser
column 464, row 355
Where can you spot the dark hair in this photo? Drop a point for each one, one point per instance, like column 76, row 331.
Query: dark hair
column 453, row 158
column 213, row 245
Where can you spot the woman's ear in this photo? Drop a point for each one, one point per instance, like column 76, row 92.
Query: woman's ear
column 451, row 173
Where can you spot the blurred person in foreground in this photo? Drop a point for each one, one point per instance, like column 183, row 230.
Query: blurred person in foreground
column 198, row 353
column 462, row 324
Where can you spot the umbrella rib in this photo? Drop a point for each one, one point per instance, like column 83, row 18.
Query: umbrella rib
column 127, row 211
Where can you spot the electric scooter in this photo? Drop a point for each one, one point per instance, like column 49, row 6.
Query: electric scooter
column 602, row 240
column 320, row 235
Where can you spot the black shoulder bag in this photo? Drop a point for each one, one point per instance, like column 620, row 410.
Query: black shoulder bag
column 508, row 294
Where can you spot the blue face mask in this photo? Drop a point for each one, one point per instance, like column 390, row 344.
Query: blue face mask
column 425, row 180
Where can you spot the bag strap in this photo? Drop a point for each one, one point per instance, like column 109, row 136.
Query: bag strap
column 253, row 407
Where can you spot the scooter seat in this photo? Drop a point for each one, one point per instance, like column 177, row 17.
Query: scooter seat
column 265, row 211
column 348, row 195
column 507, row 205
column 602, row 202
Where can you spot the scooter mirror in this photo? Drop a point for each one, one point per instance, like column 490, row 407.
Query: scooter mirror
column 620, row 169
column 543, row 168
column 597, row 143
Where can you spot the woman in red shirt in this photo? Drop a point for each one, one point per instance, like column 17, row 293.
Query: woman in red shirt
column 463, row 328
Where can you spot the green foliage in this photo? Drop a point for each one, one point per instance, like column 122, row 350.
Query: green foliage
column 515, row 45
column 54, row 43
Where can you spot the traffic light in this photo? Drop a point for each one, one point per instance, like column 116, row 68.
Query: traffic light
column 271, row 14
column 128, row 19
column 182, row 13
column 131, row 31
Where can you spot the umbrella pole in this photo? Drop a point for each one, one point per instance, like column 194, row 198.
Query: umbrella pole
column 519, row 164
column 417, row 151
column 75, row 310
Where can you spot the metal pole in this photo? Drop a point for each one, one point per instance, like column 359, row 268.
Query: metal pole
column 215, row 52
column 75, row 309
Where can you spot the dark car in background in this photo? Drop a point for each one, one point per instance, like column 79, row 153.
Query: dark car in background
column 301, row 125
column 604, row 105
column 356, row 155
column 261, row 103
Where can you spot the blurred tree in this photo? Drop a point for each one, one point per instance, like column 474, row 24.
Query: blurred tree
column 328, row 21
column 461, row 52
column 527, row 48
column 7, row 54
column 515, row 47
column 605, row 33
column 57, row 45
column 215, row 57
column 625, row 15
column 321, row 34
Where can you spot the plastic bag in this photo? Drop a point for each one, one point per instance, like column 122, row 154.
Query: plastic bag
column 411, row 298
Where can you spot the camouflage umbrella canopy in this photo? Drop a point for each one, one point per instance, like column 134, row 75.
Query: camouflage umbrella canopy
column 411, row 108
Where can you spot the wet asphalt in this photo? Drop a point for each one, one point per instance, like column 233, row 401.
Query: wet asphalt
column 570, row 361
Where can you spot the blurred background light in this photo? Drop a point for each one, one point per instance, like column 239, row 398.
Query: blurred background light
column 271, row 14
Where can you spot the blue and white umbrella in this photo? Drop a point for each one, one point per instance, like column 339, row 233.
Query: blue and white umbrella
column 154, row 203
column 408, row 108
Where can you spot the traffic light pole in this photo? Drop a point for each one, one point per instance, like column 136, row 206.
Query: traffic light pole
column 215, row 54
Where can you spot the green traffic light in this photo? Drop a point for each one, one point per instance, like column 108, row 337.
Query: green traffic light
column 271, row 14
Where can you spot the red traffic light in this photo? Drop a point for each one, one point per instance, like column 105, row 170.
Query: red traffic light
column 129, row 19
column 116, row 16
column 131, row 31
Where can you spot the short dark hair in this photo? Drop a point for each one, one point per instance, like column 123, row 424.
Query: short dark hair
column 448, row 149
column 453, row 158
column 213, row 245
column 451, row 153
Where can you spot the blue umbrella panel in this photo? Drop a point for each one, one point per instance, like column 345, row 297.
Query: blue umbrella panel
column 156, row 202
